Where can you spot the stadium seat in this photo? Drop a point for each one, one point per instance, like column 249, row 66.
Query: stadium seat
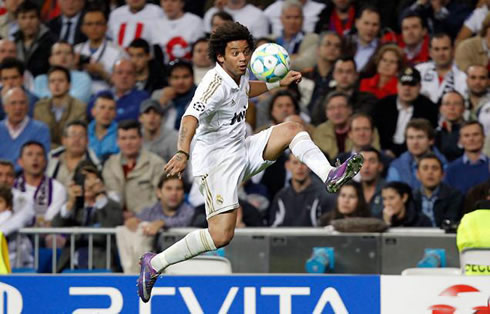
column 440, row 271
column 201, row 265
column 474, row 256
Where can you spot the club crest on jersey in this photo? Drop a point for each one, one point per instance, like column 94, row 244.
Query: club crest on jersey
column 219, row 199
column 199, row 106
column 238, row 117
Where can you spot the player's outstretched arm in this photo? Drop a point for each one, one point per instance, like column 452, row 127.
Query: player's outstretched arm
column 258, row 87
column 178, row 162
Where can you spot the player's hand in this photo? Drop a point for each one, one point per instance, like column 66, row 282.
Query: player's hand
column 292, row 76
column 176, row 165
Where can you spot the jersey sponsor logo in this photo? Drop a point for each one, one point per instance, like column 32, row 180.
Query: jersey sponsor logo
column 238, row 117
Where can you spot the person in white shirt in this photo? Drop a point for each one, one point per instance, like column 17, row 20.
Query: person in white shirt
column 473, row 23
column 311, row 11
column 246, row 14
column 133, row 20
column 200, row 59
column 47, row 194
column 222, row 157
column 441, row 74
column 177, row 31
column 98, row 55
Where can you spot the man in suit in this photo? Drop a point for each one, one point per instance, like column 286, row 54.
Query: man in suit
column 67, row 25
column 392, row 113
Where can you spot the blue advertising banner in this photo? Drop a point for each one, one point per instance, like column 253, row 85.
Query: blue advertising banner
column 191, row 294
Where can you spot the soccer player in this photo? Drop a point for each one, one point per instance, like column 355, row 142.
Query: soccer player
column 222, row 157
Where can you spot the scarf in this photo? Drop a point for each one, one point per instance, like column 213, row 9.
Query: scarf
column 43, row 196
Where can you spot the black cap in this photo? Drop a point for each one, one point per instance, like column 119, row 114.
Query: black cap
column 409, row 76
column 151, row 104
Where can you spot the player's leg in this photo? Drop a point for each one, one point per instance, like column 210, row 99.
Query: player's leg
column 292, row 134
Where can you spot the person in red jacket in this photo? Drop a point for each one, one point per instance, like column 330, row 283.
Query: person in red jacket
column 388, row 62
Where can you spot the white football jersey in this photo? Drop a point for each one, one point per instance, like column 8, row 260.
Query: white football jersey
column 220, row 106
column 124, row 25
column 433, row 88
column 177, row 36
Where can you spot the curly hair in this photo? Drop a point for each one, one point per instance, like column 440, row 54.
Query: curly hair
column 229, row 31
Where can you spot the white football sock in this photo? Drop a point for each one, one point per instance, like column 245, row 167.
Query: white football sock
column 194, row 243
column 307, row 152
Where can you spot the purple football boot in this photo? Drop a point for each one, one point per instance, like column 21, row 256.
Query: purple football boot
column 148, row 277
column 344, row 172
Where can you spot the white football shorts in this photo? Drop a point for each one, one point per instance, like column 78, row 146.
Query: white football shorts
column 219, row 187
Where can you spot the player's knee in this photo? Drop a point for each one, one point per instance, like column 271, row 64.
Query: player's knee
column 222, row 237
column 292, row 128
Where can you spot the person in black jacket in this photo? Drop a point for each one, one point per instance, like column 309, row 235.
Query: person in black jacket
column 33, row 40
column 435, row 199
column 410, row 104
column 447, row 134
column 67, row 26
column 399, row 207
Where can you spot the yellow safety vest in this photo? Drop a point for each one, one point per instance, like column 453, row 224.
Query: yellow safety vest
column 474, row 232
column 4, row 258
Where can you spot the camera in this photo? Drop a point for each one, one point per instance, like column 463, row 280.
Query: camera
column 79, row 179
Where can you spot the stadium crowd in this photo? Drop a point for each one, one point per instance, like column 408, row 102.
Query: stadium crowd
column 93, row 93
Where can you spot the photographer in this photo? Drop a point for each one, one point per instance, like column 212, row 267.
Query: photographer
column 87, row 206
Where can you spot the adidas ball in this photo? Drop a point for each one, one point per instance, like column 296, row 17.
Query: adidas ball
column 270, row 62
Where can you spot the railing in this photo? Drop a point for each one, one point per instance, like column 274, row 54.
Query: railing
column 72, row 232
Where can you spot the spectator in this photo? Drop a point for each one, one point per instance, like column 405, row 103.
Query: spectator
column 156, row 137
column 33, row 39
column 372, row 180
column 133, row 20
column 201, row 63
column 12, row 75
column 219, row 18
column 102, row 130
column 67, row 26
column 62, row 54
column 441, row 74
column 350, row 203
column 365, row 42
column 61, row 108
column 282, row 104
column 420, row 137
column 302, row 202
column 388, row 62
column 138, row 233
column 392, row 113
column 414, row 39
column 473, row 23
column 150, row 74
column 399, row 208
column 246, row 14
column 8, row 21
column 7, row 49
column 47, row 194
column 132, row 175
column 176, row 97
column 63, row 161
column 474, row 51
column 447, row 133
column 182, row 29
column 331, row 136
column 477, row 94
column 327, row 53
column 22, row 216
column 444, row 16
column 362, row 133
column 311, row 11
column 98, row 55
column 473, row 167
column 94, row 210
column 128, row 97
column 338, row 17
column 300, row 46
column 435, row 199
column 344, row 80
column 17, row 128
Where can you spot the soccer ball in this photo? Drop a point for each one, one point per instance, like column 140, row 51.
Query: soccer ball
column 270, row 62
